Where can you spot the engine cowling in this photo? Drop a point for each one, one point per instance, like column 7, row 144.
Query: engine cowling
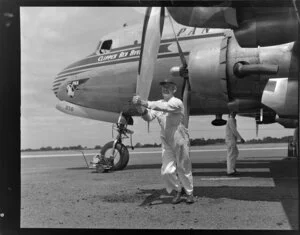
column 207, row 72
column 225, row 77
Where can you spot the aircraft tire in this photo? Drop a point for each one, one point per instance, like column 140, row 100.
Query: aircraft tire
column 123, row 159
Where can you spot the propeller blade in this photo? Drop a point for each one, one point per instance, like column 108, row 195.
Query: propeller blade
column 152, row 32
column 186, row 88
column 186, row 97
column 183, row 88
column 183, row 61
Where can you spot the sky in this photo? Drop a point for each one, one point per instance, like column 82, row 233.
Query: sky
column 54, row 37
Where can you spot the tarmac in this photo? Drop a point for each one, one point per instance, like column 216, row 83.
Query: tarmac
column 58, row 190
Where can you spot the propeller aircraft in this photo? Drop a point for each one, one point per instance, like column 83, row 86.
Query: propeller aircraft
column 223, row 58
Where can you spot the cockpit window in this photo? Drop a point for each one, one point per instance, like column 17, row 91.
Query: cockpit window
column 105, row 47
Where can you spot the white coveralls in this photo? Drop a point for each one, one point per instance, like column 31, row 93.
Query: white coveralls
column 176, row 167
column 231, row 138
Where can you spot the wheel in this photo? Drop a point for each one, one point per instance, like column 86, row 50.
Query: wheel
column 121, row 155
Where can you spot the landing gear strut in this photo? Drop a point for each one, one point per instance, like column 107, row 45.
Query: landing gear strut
column 114, row 155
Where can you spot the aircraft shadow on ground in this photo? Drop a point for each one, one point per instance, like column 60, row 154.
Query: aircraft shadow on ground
column 285, row 176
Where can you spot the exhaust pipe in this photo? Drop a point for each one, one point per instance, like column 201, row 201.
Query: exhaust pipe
column 241, row 70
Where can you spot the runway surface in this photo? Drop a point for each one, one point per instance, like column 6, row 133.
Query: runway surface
column 59, row 191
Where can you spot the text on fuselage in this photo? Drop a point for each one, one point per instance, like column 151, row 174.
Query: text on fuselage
column 120, row 55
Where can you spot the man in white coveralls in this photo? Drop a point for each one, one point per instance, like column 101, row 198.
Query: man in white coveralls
column 176, row 167
column 231, row 138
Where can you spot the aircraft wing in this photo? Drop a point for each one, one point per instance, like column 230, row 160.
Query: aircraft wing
column 255, row 23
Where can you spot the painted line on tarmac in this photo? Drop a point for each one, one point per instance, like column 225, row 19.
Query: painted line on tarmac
column 220, row 178
column 146, row 152
column 38, row 169
column 57, row 155
column 215, row 150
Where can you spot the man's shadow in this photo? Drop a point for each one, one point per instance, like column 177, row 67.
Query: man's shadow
column 283, row 172
column 158, row 197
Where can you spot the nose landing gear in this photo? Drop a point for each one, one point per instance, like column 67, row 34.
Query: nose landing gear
column 114, row 155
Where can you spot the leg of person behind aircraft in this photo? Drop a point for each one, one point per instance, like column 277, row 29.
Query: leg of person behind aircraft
column 232, row 154
column 296, row 141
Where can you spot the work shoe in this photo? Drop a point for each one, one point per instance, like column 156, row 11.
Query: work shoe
column 177, row 198
column 235, row 173
column 190, row 199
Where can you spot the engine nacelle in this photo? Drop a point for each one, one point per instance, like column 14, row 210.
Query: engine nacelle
column 225, row 77
column 268, row 30
column 287, row 123
column 205, row 17
column 207, row 72
column 242, row 105
column 253, row 26
column 281, row 95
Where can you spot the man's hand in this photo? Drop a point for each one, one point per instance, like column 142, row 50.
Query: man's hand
column 138, row 101
column 242, row 141
column 140, row 109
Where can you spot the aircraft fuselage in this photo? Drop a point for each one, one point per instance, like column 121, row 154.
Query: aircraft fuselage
column 106, row 82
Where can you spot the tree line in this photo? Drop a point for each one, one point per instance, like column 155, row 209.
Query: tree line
column 193, row 142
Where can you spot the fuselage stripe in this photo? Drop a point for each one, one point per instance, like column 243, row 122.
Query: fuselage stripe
column 132, row 47
column 120, row 61
column 58, row 82
column 163, row 41
column 69, row 73
column 56, row 85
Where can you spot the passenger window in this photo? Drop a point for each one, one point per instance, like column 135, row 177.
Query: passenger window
column 105, row 47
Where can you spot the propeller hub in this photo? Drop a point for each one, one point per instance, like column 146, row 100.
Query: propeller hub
column 179, row 71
